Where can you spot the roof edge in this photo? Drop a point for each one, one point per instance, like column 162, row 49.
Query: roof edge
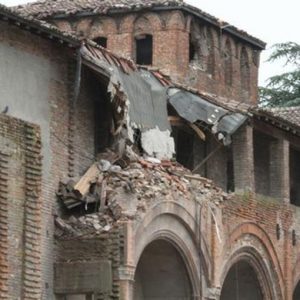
column 224, row 26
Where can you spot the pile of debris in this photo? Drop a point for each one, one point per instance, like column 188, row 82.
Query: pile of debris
column 116, row 190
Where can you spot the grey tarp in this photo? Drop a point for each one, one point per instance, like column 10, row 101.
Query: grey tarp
column 147, row 100
column 193, row 108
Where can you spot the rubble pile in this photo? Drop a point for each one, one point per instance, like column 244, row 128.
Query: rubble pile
column 118, row 193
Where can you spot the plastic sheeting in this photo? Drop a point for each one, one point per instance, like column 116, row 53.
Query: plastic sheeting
column 193, row 108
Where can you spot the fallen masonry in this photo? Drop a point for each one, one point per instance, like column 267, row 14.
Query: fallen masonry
column 108, row 193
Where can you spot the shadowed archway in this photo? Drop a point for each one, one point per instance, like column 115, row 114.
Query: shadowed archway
column 241, row 282
column 161, row 274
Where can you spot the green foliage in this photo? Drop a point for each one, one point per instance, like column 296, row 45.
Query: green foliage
column 284, row 89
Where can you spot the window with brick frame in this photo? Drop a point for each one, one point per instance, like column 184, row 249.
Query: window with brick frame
column 144, row 49
column 245, row 69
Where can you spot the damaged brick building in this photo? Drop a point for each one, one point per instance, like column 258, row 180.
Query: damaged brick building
column 134, row 161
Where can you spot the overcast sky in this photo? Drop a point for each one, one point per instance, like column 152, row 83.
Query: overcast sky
column 273, row 21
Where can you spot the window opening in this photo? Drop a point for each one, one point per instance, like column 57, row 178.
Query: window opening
column 101, row 41
column 144, row 49
column 295, row 176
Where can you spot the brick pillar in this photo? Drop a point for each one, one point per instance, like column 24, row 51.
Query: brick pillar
column 279, row 170
column 243, row 159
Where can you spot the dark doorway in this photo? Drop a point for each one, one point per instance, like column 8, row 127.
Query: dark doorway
column 241, row 283
column 161, row 274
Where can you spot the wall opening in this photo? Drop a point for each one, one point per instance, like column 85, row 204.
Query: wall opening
column 144, row 49
column 101, row 41
column 241, row 282
column 192, row 49
column 245, row 70
column 161, row 274
column 262, row 161
column 295, row 176
column 296, row 294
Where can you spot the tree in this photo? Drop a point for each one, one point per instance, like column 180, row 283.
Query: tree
column 284, row 89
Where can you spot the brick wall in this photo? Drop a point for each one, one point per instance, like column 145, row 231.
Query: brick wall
column 171, row 34
column 21, row 225
column 44, row 93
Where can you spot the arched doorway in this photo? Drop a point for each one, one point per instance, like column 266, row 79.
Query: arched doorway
column 296, row 294
column 241, row 283
column 161, row 274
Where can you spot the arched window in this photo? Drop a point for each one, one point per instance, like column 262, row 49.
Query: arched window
column 144, row 49
column 227, row 58
column 101, row 41
column 245, row 70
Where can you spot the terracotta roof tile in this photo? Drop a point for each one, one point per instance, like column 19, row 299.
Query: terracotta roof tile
column 288, row 115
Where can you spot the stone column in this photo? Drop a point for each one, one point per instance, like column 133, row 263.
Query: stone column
column 243, row 159
column 126, row 279
column 127, row 270
column 280, row 170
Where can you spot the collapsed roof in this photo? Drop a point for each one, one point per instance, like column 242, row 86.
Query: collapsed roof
column 47, row 9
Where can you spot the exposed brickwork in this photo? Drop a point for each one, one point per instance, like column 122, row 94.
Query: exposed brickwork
column 4, row 226
column 171, row 30
column 32, row 215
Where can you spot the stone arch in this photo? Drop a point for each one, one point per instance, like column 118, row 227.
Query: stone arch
column 176, row 21
column 245, row 69
column 171, row 222
column 245, row 279
column 227, row 56
column 250, row 242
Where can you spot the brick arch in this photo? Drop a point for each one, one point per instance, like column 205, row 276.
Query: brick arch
column 142, row 25
column 171, row 221
column 155, row 20
column 227, row 57
column 103, row 27
column 262, row 241
column 245, row 68
column 126, row 24
column 176, row 20
column 83, row 27
column 211, row 58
